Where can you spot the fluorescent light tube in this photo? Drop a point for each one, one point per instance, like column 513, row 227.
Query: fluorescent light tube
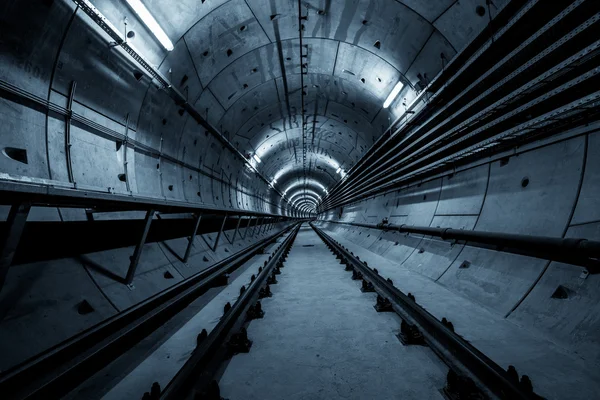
column 142, row 12
column 393, row 94
column 258, row 160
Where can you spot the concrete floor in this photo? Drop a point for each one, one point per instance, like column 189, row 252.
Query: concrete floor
column 322, row 339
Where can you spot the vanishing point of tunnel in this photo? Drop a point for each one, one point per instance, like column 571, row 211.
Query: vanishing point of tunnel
column 299, row 199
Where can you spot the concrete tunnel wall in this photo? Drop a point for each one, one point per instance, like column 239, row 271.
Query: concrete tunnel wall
column 552, row 190
column 46, row 48
column 59, row 48
column 50, row 48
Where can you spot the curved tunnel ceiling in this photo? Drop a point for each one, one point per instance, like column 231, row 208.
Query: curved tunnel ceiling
column 240, row 61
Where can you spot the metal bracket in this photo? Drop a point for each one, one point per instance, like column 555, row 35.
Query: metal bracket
column 237, row 227
column 124, row 146
column 246, row 230
column 135, row 258
column 214, row 247
column 255, row 226
column 17, row 217
column 68, row 132
column 191, row 239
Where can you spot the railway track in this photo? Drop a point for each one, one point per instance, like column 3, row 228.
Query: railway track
column 59, row 371
column 291, row 324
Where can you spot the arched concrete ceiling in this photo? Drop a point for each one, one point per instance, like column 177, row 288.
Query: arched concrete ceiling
column 240, row 61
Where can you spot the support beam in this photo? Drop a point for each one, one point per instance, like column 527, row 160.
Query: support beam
column 17, row 217
column 264, row 230
column 247, row 229
column 135, row 258
column 219, row 234
column 237, row 227
column 255, row 226
column 68, row 132
column 191, row 239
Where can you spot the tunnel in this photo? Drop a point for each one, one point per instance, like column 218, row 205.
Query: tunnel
column 299, row 199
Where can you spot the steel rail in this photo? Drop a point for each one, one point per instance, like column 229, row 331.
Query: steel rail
column 450, row 347
column 198, row 371
column 60, row 369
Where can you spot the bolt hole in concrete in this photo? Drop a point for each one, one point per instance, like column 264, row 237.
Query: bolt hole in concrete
column 171, row 188
column 465, row 264
column 84, row 308
column 525, row 182
column 122, row 177
column 168, row 275
column 480, row 10
column 16, row 154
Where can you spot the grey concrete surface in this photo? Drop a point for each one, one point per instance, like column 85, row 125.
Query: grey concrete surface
column 321, row 338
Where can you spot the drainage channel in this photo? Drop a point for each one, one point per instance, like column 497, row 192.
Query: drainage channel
column 471, row 375
column 68, row 365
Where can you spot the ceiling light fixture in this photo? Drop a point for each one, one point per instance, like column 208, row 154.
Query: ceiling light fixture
column 395, row 91
column 338, row 170
column 142, row 12
column 258, row 160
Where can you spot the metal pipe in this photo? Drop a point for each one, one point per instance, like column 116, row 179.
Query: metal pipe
column 577, row 249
